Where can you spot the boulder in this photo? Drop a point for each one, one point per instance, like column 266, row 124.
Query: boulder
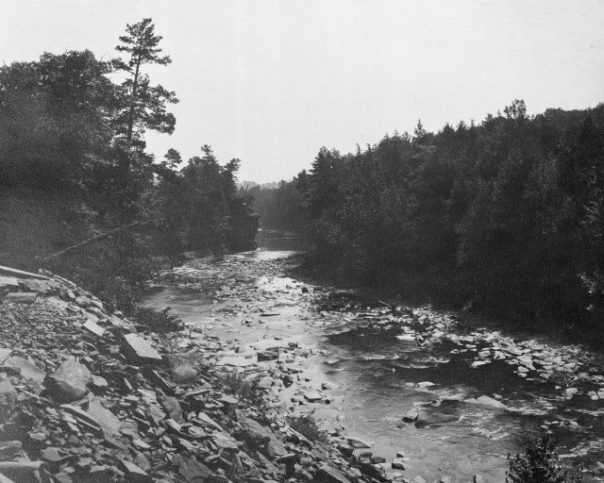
column 254, row 432
column 68, row 383
column 268, row 355
column 138, row 351
column 412, row 415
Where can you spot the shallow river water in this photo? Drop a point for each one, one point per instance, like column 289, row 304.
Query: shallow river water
column 478, row 394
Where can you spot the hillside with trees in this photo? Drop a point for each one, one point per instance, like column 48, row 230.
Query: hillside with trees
column 506, row 216
column 80, row 193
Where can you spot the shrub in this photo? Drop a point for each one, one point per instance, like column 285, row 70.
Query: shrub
column 242, row 384
column 538, row 465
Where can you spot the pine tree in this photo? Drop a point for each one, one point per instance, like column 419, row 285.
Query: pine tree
column 142, row 105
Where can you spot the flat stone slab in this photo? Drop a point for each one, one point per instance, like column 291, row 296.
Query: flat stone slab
column 313, row 396
column 134, row 473
column 139, row 351
column 358, row 443
column 252, row 430
column 9, row 281
column 21, row 297
column 4, row 354
column 94, row 328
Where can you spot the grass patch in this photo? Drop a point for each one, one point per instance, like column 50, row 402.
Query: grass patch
column 246, row 386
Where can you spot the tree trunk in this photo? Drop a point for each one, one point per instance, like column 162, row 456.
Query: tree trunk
column 132, row 102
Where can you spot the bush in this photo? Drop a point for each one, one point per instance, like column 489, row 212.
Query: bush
column 538, row 465
column 242, row 384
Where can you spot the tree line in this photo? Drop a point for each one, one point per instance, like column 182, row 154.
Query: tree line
column 75, row 172
column 506, row 215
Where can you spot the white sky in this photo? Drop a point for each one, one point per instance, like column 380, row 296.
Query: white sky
column 270, row 82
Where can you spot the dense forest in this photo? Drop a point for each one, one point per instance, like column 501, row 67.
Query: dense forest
column 80, row 194
column 506, row 216
column 280, row 207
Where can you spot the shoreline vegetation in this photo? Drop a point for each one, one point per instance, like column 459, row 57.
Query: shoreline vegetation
column 80, row 194
column 504, row 217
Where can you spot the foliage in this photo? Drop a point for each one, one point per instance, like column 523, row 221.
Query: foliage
column 507, row 214
column 201, row 209
column 73, row 168
column 538, row 465
column 281, row 207
column 243, row 384
column 142, row 106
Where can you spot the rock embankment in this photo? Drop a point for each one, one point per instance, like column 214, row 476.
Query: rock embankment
column 88, row 395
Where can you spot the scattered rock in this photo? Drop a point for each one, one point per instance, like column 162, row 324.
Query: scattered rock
column 487, row 401
column 268, row 355
column 254, row 432
column 358, row 443
column 313, row 396
column 411, row 416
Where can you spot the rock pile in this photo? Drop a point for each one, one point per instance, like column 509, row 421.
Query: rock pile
column 84, row 397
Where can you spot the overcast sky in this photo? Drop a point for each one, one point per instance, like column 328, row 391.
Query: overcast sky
column 270, row 82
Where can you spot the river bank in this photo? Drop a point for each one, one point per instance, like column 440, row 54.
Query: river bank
column 91, row 396
column 407, row 396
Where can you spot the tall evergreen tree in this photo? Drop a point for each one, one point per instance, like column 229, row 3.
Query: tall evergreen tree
column 143, row 106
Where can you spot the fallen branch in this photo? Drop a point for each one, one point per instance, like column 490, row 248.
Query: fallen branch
column 21, row 273
column 91, row 240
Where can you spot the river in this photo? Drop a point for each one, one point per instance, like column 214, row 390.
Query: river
column 479, row 394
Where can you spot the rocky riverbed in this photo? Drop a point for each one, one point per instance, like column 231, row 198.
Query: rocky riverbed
column 273, row 379
column 88, row 395
column 426, row 391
